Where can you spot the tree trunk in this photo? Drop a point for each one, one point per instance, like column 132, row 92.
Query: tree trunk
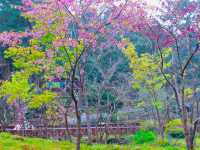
column 188, row 130
column 88, row 124
column 98, row 119
column 167, row 109
column 108, row 121
column 161, row 130
column 78, row 124
column 188, row 140
column 78, row 117
column 193, row 133
column 186, row 122
column 20, row 115
column 67, row 126
column 197, row 108
column 158, row 116
column 75, row 100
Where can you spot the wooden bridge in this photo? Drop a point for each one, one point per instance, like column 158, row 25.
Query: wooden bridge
column 60, row 133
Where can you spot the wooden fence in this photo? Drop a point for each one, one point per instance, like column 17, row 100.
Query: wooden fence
column 60, row 133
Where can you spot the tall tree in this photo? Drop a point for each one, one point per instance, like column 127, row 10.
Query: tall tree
column 176, row 25
column 66, row 30
column 148, row 78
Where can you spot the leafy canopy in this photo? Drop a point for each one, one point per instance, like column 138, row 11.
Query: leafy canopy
column 146, row 67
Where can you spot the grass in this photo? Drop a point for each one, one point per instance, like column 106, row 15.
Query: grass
column 12, row 142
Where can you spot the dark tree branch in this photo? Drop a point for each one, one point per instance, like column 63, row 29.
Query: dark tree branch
column 165, row 77
column 189, row 59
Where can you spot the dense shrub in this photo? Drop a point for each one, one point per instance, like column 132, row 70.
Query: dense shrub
column 148, row 125
column 177, row 134
column 163, row 142
column 117, row 141
column 143, row 136
column 174, row 129
column 5, row 135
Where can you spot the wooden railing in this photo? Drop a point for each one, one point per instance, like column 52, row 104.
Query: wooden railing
column 60, row 133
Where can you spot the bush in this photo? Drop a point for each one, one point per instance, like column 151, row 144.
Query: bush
column 148, row 125
column 117, row 141
column 143, row 136
column 174, row 129
column 163, row 142
column 5, row 135
column 177, row 134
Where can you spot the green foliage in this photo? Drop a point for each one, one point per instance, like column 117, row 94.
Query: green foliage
column 5, row 135
column 19, row 88
column 146, row 68
column 141, row 42
column 32, row 60
column 142, row 136
column 16, row 89
column 188, row 92
column 10, row 142
column 177, row 134
column 29, row 61
column 148, row 125
column 48, row 38
column 174, row 128
column 173, row 124
column 117, row 141
column 44, row 42
column 163, row 142
column 108, row 96
column 25, row 58
column 171, row 148
column 40, row 99
column 10, row 17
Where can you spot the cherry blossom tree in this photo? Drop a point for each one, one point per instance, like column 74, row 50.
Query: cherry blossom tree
column 66, row 29
column 175, row 24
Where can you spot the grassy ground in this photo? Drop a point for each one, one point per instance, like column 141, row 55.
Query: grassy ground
column 11, row 142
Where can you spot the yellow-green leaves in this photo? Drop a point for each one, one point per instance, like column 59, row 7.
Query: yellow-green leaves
column 136, row 85
column 48, row 38
column 188, row 92
column 130, row 52
column 64, row 57
column 145, row 68
column 40, row 99
column 16, row 89
column 19, row 88
column 79, row 48
column 30, row 61
column 25, row 58
column 158, row 104
column 167, row 52
column 174, row 125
